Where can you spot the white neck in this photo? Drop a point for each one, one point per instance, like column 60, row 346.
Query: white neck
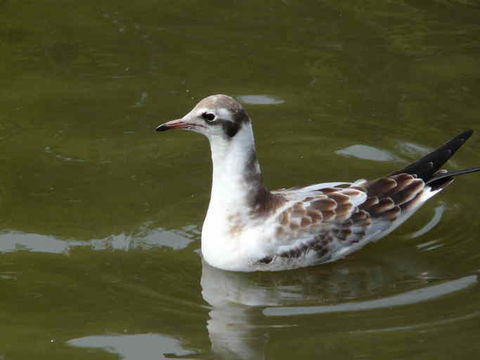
column 236, row 177
column 237, row 198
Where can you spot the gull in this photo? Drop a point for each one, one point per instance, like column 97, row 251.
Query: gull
column 249, row 228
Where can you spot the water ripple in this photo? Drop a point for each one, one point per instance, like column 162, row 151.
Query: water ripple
column 407, row 298
column 260, row 99
column 135, row 347
column 175, row 239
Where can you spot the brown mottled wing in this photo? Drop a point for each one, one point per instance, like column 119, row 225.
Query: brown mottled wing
column 336, row 218
column 389, row 197
column 313, row 223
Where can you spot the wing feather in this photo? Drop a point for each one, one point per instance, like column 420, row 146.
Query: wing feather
column 326, row 221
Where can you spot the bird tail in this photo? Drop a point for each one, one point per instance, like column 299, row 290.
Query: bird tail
column 428, row 167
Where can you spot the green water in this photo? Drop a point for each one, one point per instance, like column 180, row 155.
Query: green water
column 100, row 217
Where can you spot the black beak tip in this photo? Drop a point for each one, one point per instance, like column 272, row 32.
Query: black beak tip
column 162, row 127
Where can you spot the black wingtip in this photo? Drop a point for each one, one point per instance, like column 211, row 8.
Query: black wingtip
column 465, row 135
column 441, row 179
column 427, row 166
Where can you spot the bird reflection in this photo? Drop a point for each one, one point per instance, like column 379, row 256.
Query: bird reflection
column 238, row 327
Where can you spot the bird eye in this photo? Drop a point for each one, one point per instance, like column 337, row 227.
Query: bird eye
column 208, row 117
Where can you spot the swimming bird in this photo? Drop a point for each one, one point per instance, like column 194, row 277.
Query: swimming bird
column 249, row 228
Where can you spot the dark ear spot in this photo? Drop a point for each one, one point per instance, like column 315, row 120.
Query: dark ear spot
column 230, row 128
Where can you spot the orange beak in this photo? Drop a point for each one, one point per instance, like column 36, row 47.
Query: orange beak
column 174, row 124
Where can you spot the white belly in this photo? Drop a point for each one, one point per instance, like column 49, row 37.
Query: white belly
column 222, row 250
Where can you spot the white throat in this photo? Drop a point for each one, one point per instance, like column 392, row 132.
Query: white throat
column 236, row 173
